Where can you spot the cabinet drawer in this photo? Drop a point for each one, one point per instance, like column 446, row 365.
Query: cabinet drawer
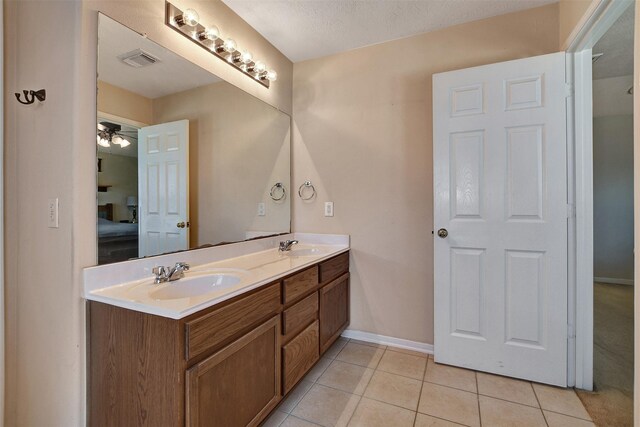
column 333, row 268
column 299, row 356
column 300, row 284
column 214, row 328
column 297, row 317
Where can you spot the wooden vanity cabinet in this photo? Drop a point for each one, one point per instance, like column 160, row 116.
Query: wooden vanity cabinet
column 227, row 365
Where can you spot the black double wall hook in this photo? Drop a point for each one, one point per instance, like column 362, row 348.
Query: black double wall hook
column 30, row 96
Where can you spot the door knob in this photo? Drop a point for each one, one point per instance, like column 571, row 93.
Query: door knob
column 181, row 224
column 443, row 233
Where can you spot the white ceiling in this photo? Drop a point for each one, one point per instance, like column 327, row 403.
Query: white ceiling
column 171, row 74
column 306, row 29
column 617, row 46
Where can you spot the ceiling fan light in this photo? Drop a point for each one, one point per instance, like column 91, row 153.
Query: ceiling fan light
column 103, row 142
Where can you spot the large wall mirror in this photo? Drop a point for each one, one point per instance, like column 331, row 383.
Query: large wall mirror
column 185, row 159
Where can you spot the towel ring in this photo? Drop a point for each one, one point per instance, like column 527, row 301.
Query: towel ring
column 278, row 186
column 307, row 184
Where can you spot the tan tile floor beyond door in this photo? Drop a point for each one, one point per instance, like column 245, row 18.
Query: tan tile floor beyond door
column 368, row 385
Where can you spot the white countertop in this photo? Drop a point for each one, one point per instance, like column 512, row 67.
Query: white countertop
column 252, row 264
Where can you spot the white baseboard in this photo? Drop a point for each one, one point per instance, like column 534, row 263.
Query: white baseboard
column 391, row 341
column 613, row 281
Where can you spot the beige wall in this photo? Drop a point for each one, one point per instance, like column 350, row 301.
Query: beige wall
column 238, row 146
column 45, row 311
column 50, row 153
column 572, row 16
column 363, row 135
column 122, row 103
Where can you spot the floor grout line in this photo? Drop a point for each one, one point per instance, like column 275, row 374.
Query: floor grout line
column 303, row 419
column 375, row 367
column 399, row 350
column 354, row 411
column 415, row 418
column 508, row 401
column 539, row 404
column 567, row 415
column 392, row 404
column 455, row 388
column 475, row 375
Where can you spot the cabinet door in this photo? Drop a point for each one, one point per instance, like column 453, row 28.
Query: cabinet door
column 334, row 310
column 240, row 384
column 299, row 355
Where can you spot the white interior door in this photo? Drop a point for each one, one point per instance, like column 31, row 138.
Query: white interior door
column 163, row 187
column 500, row 189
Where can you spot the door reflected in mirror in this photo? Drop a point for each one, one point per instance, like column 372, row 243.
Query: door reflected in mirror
column 185, row 159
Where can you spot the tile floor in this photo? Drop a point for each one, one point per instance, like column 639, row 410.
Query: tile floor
column 364, row 384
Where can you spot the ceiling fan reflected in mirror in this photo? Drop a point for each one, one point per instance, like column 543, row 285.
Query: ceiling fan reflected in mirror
column 111, row 133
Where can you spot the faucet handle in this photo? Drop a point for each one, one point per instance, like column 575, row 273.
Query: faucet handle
column 161, row 274
column 159, row 270
column 182, row 265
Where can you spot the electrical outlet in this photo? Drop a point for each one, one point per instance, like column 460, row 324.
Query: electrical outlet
column 52, row 213
column 261, row 209
column 328, row 208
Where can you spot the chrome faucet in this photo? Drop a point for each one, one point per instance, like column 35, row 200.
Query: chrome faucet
column 169, row 274
column 285, row 245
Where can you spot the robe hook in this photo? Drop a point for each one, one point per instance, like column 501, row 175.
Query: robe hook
column 30, row 96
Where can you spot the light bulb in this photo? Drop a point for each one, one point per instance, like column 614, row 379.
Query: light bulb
column 118, row 140
column 103, row 142
column 260, row 67
column 272, row 76
column 124, row 142
column 246, row 57
column 211, row 33
column 189, row 17
column 230, row 45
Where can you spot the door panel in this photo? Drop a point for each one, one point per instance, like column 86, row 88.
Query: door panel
column 467, row 291
column 500, row 191
column 163, row 162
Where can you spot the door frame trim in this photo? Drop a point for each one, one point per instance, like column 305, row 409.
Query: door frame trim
column 600, row 16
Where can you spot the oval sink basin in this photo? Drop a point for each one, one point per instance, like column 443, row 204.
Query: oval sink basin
column 307, row 252
column 196, row 286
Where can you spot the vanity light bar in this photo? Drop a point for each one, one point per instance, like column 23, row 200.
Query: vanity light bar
column 209, row 38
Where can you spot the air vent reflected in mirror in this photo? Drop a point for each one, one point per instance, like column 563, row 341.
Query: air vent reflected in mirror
column 138, row 58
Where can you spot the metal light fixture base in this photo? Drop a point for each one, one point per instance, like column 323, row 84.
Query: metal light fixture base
column 173, row 20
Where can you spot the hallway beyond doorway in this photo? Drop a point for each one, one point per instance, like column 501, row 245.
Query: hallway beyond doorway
column 611, row 403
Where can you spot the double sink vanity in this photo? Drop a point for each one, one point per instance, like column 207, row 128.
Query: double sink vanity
column 220, row 346
column 213, row 333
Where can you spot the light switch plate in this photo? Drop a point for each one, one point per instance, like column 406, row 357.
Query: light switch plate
column 328, row 208
column 52, row 213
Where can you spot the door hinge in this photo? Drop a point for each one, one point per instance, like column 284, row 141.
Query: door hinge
column 571, row 210
column 568, row 90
